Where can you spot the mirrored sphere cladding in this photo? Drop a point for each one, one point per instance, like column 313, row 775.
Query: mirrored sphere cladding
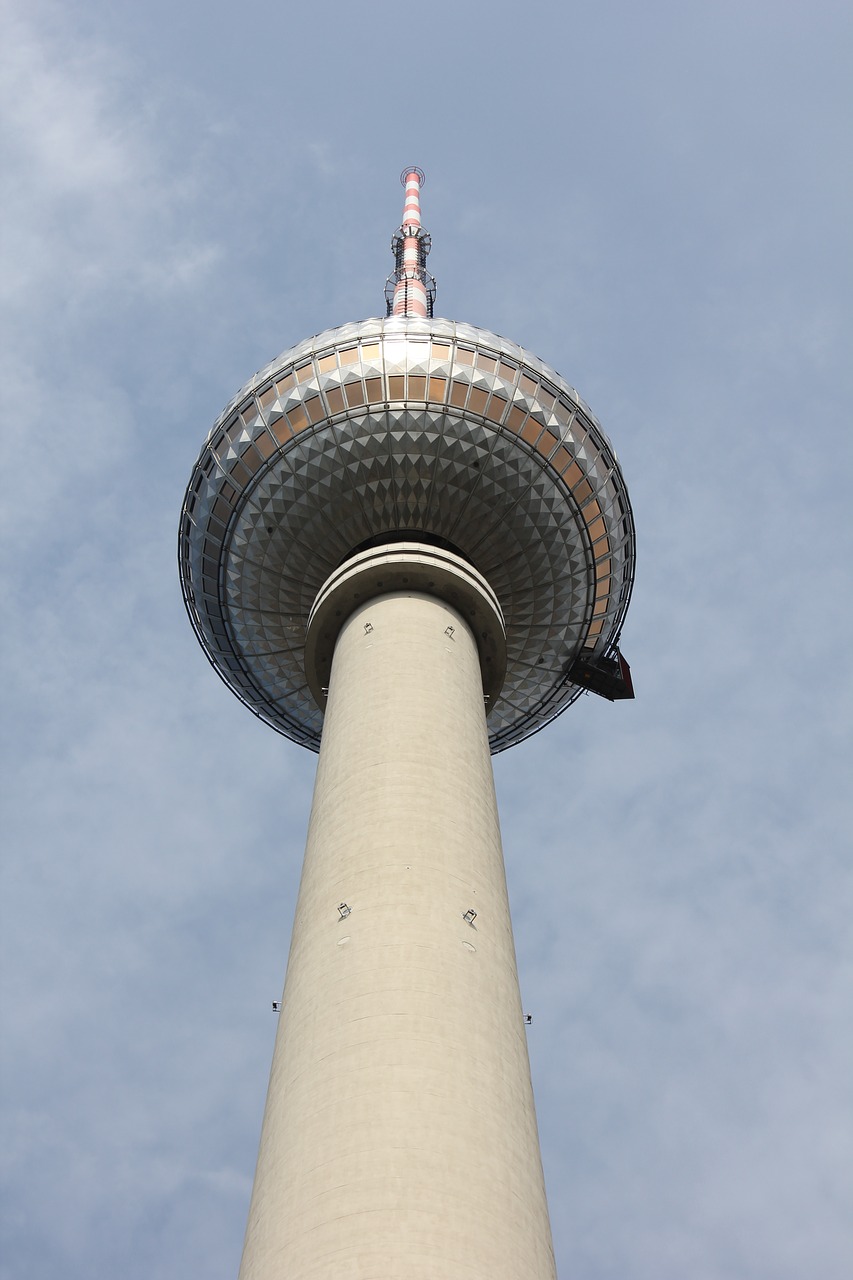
column 426, row 427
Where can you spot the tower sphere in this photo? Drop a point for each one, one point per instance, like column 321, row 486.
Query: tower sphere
column 418, row 429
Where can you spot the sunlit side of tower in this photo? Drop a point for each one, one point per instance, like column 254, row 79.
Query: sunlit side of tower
column 406, row 543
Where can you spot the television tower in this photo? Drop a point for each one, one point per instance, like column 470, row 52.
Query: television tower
column 406, row 544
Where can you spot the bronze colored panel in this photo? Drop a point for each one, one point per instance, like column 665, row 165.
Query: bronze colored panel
column 582, row 492
column 507, row 372
column 458, row 393
column 602, row 588
column 561, row 459
column 314, row 409
column 327, row 364
column 281, row 429
column 532, row 431
column 528, row 386
column 547, row 444
column 516, row 418
column 417, row 386
column 596, row 529
column 397, row 387
column 251, row 459
column 572, row 475
column 374, row 389
column 304, row 372
column 354, row 393
column 591, row 510
column 264, row 445
column 222, row 509
column 487, row 363
column 437, row 389
column 478, row 399
column 350, row 356
column 267, row 398
column 240, row 474
column 464, row 357
column 285, row 385
column 496, row 409
column 335, row 398
column 370, row 351
column 298, row 418
column 440, row 351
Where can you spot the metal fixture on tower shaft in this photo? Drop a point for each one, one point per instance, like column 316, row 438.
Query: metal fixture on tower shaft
column 407, row 544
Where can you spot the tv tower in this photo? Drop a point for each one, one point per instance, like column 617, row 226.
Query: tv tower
column 406, row 544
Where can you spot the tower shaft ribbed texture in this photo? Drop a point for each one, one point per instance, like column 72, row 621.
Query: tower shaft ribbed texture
column 399, row 1138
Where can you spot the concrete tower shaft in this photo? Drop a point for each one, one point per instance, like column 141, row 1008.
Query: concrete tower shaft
column 399, row 1137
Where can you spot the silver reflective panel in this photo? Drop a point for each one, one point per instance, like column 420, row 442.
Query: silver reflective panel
column 424, row 426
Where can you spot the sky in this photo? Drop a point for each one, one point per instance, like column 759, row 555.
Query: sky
column 656, row 199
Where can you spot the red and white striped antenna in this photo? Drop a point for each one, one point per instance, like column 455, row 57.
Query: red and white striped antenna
column 410, row 289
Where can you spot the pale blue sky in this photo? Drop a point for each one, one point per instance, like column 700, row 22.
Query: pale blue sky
column 655, row 199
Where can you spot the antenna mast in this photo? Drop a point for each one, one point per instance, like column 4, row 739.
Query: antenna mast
column 410, row 289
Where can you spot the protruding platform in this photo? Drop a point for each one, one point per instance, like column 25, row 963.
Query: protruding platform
column 607, row 675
